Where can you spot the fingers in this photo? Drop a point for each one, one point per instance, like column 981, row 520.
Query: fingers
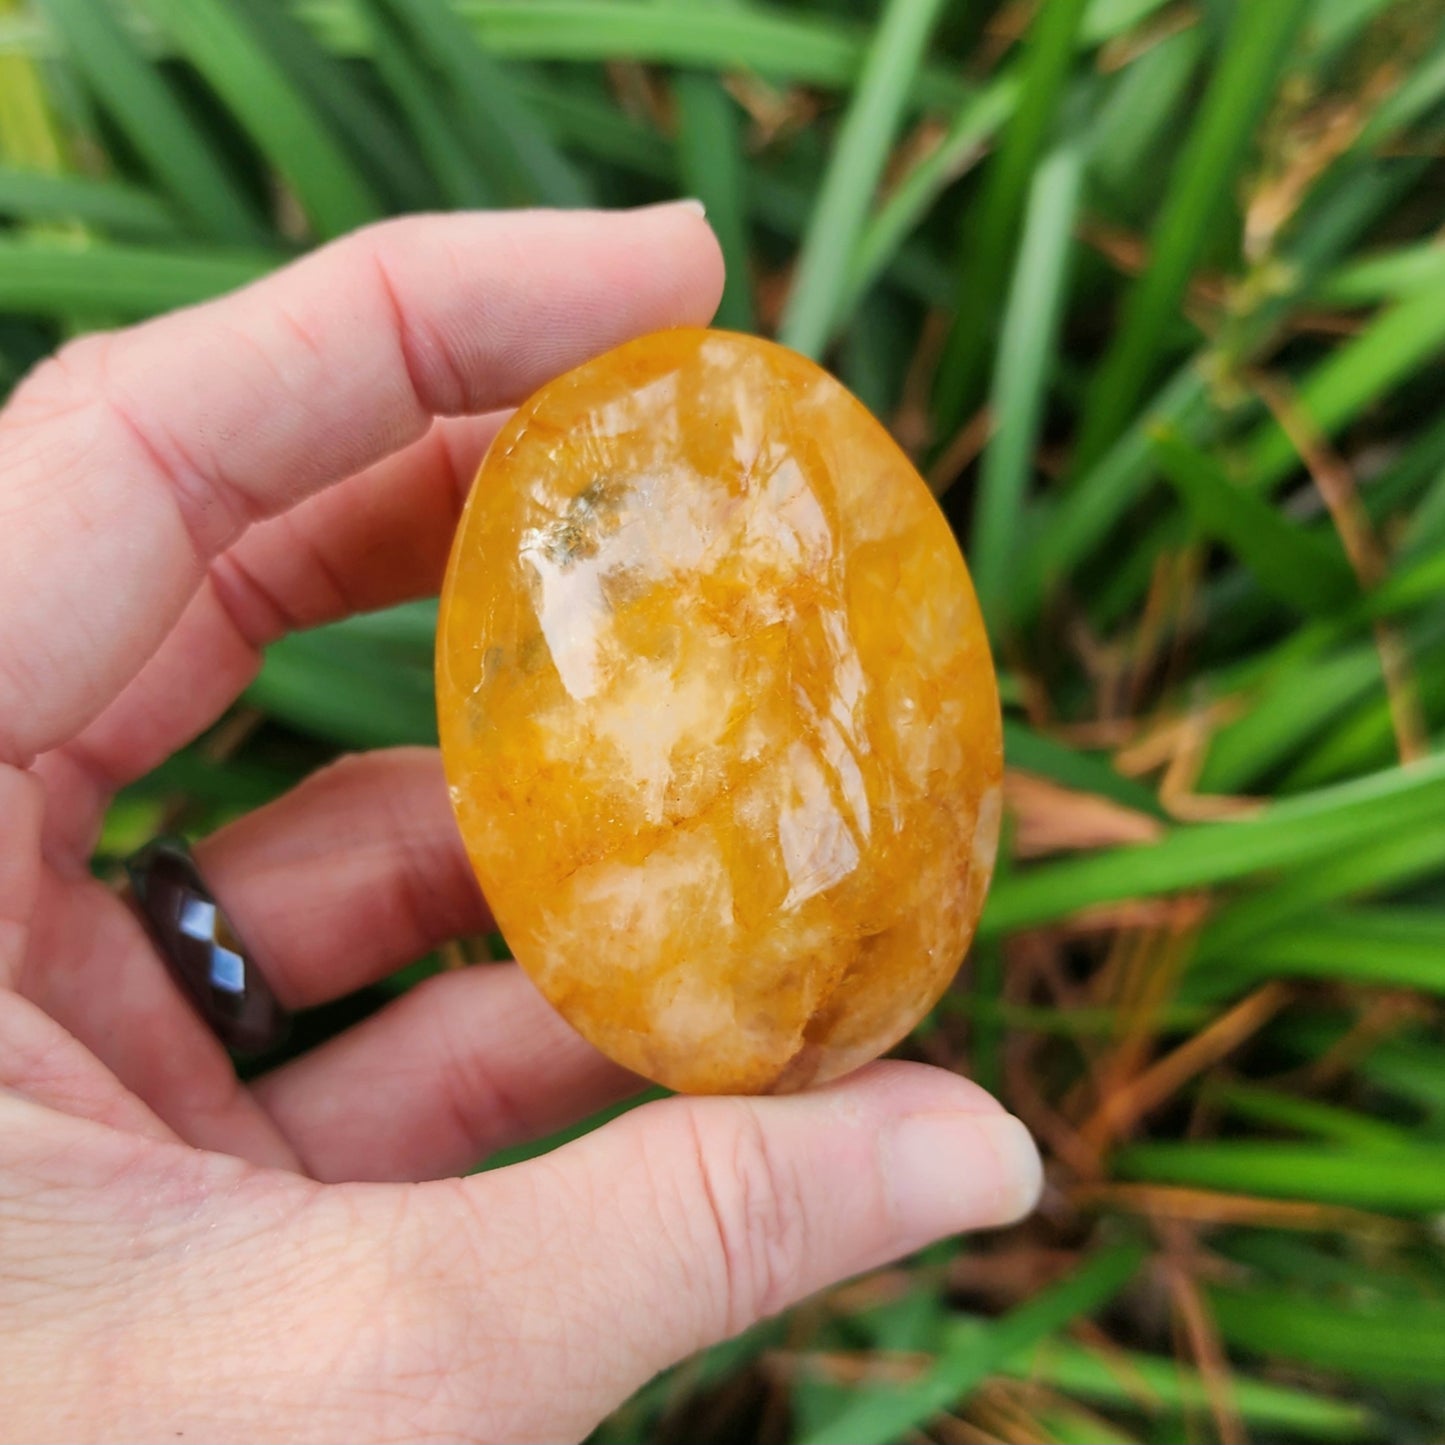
column 354, row 873
column 459, row 1067
column 688, row 1220
column 22, row 806
column 92, row 969
column 135, row 458
column 378, row 538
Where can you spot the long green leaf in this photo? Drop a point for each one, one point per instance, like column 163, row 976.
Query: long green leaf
column 772, row 40
column 1031, row 320
column 1394, row 860
column 124, row 282
column 460, row 177
column 992, row 226
column 1255, row 53
column 175, row 150
column 712, row 166
column 1307, row 1116
column 375, row 139
column 278, row 117
column 1084, row 516
column 106, row 205
column 1289, row 834
column 523, row 162
column 1273, row 726
column 1394, row 346
column 1386, row 276
column 973, row 1351
column 859, row 154
column 1155, row 1385
column 346, row 684
column 1405, row 1181
column 1308, row 571
column 1385, row 1340
column 909, row 201
column 1378, row 948
column 1034, row 752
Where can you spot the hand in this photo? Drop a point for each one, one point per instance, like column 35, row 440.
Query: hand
column 185, row 1256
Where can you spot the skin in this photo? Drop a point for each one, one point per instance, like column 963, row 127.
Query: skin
column 185, row 1256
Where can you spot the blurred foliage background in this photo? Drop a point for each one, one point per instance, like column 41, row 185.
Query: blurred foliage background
column 1154, row 291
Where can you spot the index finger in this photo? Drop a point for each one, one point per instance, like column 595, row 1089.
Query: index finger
column 134, row 458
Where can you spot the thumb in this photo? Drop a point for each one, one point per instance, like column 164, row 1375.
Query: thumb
column 688, row 1220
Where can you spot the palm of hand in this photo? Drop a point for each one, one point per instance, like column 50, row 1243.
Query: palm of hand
column 186, row 1250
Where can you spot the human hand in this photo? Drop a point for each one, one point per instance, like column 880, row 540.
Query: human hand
column 183, row 1255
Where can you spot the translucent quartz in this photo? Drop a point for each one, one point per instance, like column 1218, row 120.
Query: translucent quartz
column 718, row 715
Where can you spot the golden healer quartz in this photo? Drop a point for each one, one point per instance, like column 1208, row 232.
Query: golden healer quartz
column 718, row 715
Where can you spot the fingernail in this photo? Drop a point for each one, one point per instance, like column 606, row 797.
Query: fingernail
column 688, row 203
column 956, row 1171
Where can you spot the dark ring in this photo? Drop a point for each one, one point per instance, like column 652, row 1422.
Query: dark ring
column 201, row 948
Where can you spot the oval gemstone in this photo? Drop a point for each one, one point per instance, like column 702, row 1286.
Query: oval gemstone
column 718, row 715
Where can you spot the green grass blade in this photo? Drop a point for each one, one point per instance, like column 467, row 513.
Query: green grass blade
column 1274, row 726
column 112, row 206
column 774, row 41
column 272, row 110
column 460, row 178
column 712, row 166
column 1404, row 1181
column 1255, row 52
column 1306, row 1116
column 1392, row 861
column 1290, row 834
column 1032, row 317
column 1084, row 516
column 522, row 160
column 1384, row 1340
column 1424, row 465
column 859, row 154
column 1374, row 948
column 1306, row 570
column 1393, row 347
column 777, row 204
column 1033, row 752
column 1134, row 123
column 1136, row 1381
column 362, row 683
column 377, row 142
column 910, row 200
column 164, row 135
column 972, row 1351
column 1334, row 23
column 1385, row 276
column 992, row 227
column 124, row 282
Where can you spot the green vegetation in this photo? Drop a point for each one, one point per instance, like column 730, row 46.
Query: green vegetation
column 1154, row 290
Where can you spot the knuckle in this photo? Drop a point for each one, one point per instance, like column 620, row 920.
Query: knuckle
column 752, row 1197
column 65, row 384
column 430, row 353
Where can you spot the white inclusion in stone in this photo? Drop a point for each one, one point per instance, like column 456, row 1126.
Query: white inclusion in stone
column 571, row 610
column 817, row 844
column 650, row 713
column 682, row 885
column 689, row 1010
column 643, row 410
column 985, row 830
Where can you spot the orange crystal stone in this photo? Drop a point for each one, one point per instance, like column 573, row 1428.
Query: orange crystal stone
column 718, row 715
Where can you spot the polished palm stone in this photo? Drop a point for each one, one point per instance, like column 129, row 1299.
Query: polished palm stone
column 718, row 715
